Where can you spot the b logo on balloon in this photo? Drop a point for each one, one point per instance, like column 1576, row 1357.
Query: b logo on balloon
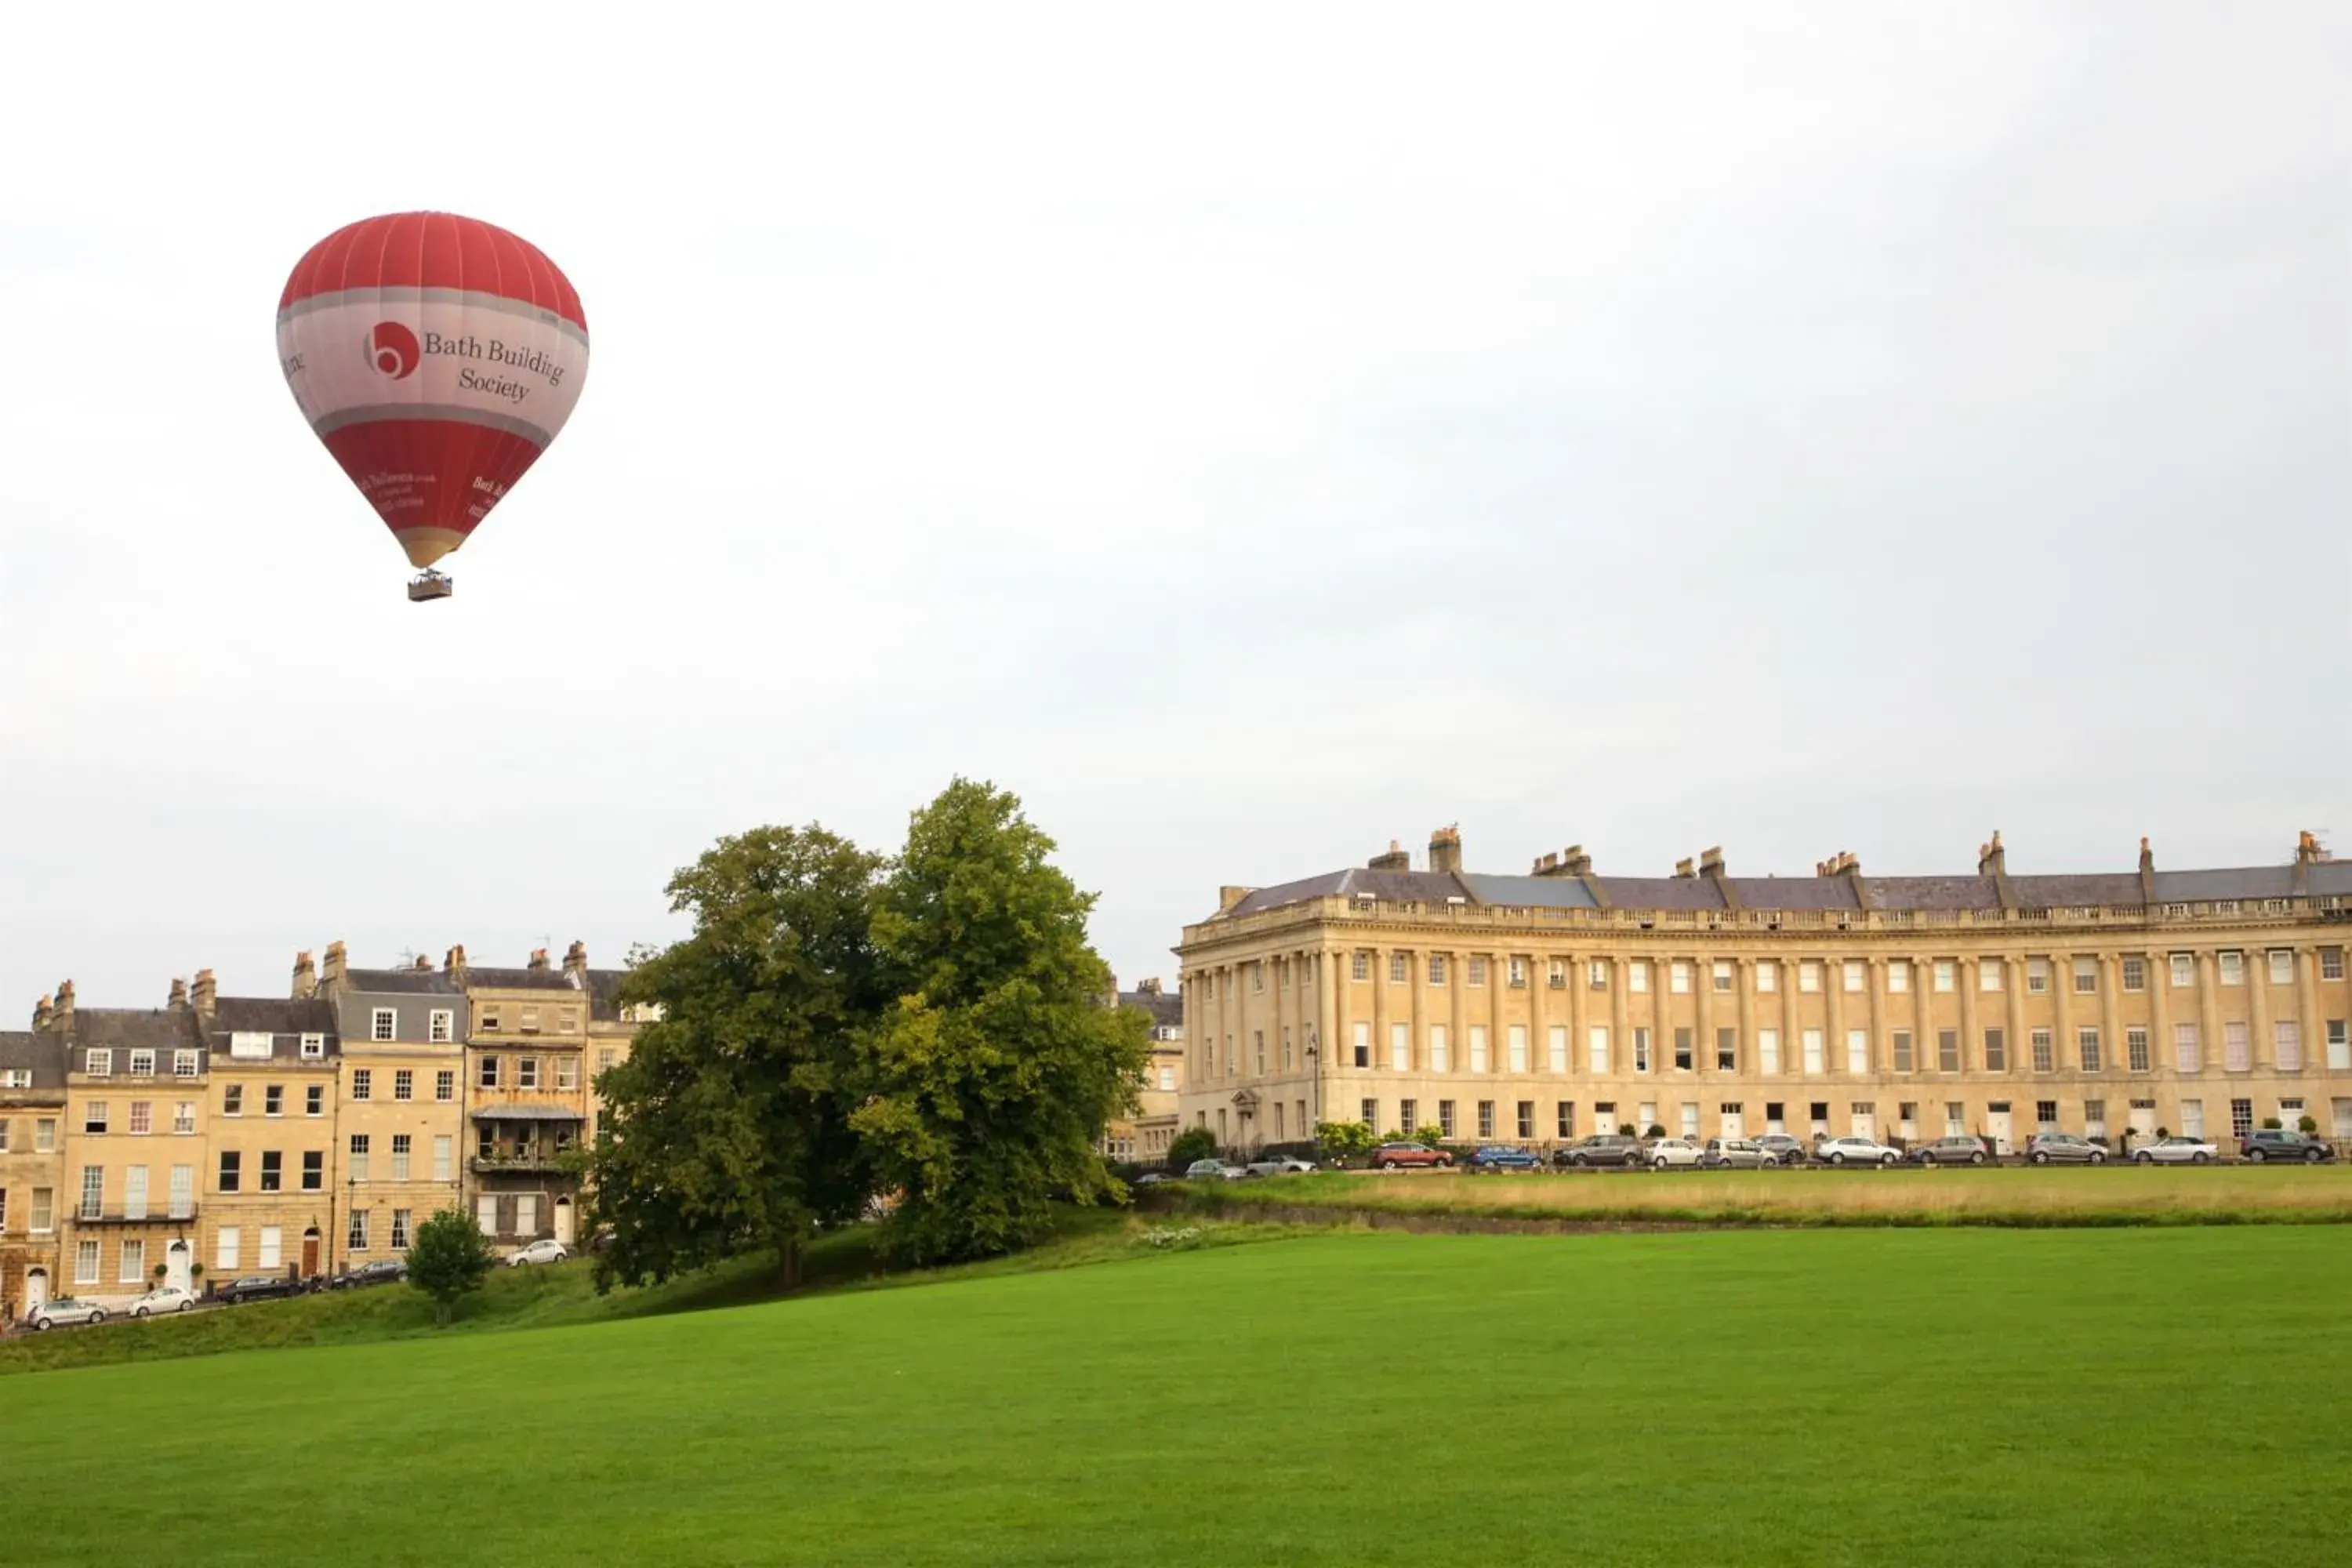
column 392, row 350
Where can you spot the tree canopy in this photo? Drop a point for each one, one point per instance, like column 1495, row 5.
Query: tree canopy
column 449, row 1257
column 933, row 1030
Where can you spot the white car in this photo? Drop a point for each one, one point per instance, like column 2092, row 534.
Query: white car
column 1214, row 1171
column 2176, row 1150
column 541, row 1251
column 162, row 1299
column 1278, row 1165
column 1665, row 1153
column 1856, row 1152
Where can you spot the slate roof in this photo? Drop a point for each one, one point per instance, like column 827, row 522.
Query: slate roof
column 286, row 1021
column 161, row 1028
column 481, row 977
column 604, row 994
column 402, row 982
column 1167, row 1008
column 45, row 1053
column 2107, row 890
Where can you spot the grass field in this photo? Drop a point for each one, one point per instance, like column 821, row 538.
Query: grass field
column 1906, row 1196
column 1833, row 1396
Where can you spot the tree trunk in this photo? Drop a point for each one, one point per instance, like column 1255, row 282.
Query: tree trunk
column 788, row 1262
column 440, row 1314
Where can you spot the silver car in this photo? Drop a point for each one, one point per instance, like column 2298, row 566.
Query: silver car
column 2065, row 1147
column 65, row 1309
column 1214, row 1171
column 1734, row 1154
column 1278, row 1165
column 2176, row 1150
column 1854, row 1151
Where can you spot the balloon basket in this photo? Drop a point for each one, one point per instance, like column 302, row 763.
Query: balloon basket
column 430, row 585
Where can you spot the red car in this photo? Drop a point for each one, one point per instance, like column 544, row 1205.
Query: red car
column 1394, row 1157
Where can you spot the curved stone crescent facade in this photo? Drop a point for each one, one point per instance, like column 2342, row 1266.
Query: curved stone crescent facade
column 1536, row 1009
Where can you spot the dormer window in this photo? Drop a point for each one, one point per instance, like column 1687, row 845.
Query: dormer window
column 314, row 1048
column 101, row 1061
column 143, row 1064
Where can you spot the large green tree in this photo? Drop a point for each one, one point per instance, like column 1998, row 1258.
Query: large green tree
column 449, row 1258
column 728, row 1126
column 992, row 1069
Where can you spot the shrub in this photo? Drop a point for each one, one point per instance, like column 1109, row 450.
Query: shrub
column 449, row 1257
column 1193, row 1144
column 2271, row 1124
column 2308, row 1127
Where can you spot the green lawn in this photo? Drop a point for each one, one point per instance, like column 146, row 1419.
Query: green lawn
column 1833, row 1396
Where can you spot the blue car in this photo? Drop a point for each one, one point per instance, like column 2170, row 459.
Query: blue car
column 1502, row 1157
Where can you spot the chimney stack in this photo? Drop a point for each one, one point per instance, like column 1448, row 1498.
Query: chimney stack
column 306, row 978
column 2307, row 854
column 63, row 1016
column 1229, row 896
column 332, row 972
column 2146, row 876
column 1445, row 849
column 539, row 960
column 1992, row 860
column 1148, row 987
column 423, row 965
column 41, row 1013
column 1396, row 859
column 204, row 993
column 1575, row 861
column 1710, row 866
column 1546, row 865
column 1683, row 871
column 178, row 1001
column 453, row 963
column 575, row 964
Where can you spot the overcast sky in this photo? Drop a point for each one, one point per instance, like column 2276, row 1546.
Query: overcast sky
column 1250, row 436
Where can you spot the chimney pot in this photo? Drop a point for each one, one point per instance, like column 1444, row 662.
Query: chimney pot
column 204, row 993
column 539, row 958
column 178, row 1000
column 41, row 1013
column 454, row 962
column 332, row 970
column 1445, row 849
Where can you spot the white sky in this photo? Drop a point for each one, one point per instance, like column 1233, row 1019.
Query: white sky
column 1250, row 434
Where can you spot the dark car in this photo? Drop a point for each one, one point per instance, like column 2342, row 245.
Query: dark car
column 1395, row 1156
column 1956, row 1150
column 2264, row 1144
column 1501, row 1157
column 1600, row 1149
column 1782, row 1148
column 257, row 1287
column 382, row 1271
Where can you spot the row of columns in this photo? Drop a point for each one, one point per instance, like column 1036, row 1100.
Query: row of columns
column 1216, row 1015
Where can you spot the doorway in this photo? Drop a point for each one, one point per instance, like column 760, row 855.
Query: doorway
column 310, row 1253
column 564, row 1220
column 1999, row 1128
column 37, row 1290
column 176, row 1259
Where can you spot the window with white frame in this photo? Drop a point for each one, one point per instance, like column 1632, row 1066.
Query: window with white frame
column 2234, row 966
column 1898, row 974
column 2188, row 1052
column 1809, row 975
column 1812, row 1041
column 1477, row 968
column 443, row 1154
column 93, row 1191
column 2136, row 1052
column 1437, row 969
column 2237, row 1048
column 1947, row 974
column 399, row 1229
column 180, row 1196
column 1857, row 1052
column 2087, row 976
column 1947, row 1050
column 1360, row 965
column 440, row 1025
column 2339, row 1045
column 2087, row 1049
column 1988, row 973
column 1555, row 973
column 1446, row 1118
column 183, row 1064
column 1517, row 1047
column 1597, row 1047
column 314, row 1048
column 101, row 1062
column 1441, row 1055
column 1720, row 975
column 143, row 1064
column 143, row 1113
column 1641, row 1051
column 445, row 1086
column 2135, row 974
column 2045, row 1054
column 1678, row 978
column 355, row 1239
column 567, row 1068
column 2282, row 966
column 1556, row 1048
column 2184, row 968
column 2037, row 977
column 183, row 1117
column 1519, row 973
column 355, row 1164
column 2331, row 964
column 270, row 1253
column 1399, row 968
column 400, row 1145
column 1856, row 975
column 94, row 1118
column 382, row 1024
column 1637, row 975
column 2286, row 1040
column 85, row 1261
column 1768, row 975
column 1768, row 1050
column 1400, row 1047
column 363, row 1083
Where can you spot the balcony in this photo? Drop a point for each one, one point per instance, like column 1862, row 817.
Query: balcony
column 521, row 1161
column 186, row 1216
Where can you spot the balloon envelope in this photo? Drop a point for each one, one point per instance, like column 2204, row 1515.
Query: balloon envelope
column 436, row 356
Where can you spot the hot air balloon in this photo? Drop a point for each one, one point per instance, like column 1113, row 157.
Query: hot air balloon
column 437, row 356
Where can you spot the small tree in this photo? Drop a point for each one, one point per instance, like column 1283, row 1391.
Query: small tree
column 1193, row 1144
column 2308, row 1127
column 1657, row 1129
column 449, row 1257
column 1342, row 1141
column 2271, row 1124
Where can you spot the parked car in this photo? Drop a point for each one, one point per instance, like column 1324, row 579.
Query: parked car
column 1783, row 1149
column 1855, row 1149
column 544, row 1251
column 1278, row 1165
column 2176, row 1150
column 65, row 1309
column 1668, row 1154
column 382, row 1271
column 164, row 1299
column 1501, row 1157
column 1957, row 1149
column 1600, row 1149
column 257, row 1287
column 1733, row 1154
column 1150, row 1178
column 2065, row 1147
column 1214, row 1171
column 1395, row 1156
column 2264, row 1144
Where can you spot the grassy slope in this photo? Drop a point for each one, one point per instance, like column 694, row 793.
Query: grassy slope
column 2031, row 1197
column 1824, row 1397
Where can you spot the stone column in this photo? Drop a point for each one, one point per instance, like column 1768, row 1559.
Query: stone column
column 2016, row 1041
column 2061, row 1028
column 2262, row 1052
column 2113, row 1057
column 1381, row 1062
column 2162, row 1057
column 2306, row 1006
column 1498, row 1038
column 1703, row 1018
column 1833, row 1057
column 1882, row 1049
column 1743, row 985
column 1458, row 1037
column 1621, row 1014
column 2208, row 1015
column 1968, row 977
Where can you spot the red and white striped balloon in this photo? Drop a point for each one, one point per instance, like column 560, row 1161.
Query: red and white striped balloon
column 436, row 356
